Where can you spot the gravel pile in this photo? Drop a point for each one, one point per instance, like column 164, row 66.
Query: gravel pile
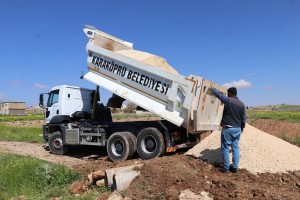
column 260, row 152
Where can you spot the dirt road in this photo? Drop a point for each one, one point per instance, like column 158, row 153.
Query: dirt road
column 37, row 151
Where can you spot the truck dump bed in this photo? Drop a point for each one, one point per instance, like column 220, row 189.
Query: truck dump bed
column 183, row 101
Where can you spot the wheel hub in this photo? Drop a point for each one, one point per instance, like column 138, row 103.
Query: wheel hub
column 150, row 144
column 119, row 148
column 57, row 143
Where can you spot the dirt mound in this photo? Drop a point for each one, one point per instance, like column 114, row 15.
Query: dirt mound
column 278, row 128
column 260, row 152
column 166, row 177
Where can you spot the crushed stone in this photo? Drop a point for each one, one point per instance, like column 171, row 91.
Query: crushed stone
column 260, row 152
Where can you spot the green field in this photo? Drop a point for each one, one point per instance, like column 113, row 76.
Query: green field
column 10, row 118
column 38, row 180
column 287, row 116
column 22, row 134
column 277, row 108
column 289, row 113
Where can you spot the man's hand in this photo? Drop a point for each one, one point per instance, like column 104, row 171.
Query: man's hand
column 242, row 126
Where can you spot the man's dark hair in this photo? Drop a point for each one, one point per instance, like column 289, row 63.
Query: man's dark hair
column 232, row 91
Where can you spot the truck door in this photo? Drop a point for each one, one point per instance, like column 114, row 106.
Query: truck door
column 52, row 105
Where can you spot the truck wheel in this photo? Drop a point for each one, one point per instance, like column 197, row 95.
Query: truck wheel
column 120, row 146
column 150, row 143
column 56, row 145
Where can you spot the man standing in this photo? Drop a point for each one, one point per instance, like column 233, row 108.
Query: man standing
column 233, row 122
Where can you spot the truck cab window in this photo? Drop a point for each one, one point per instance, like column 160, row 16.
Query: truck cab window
column 53, row 98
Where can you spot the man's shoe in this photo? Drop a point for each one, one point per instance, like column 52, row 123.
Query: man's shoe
column 223, row 170
column 233, row 170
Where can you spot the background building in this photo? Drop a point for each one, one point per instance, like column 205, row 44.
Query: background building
column 12, row 108
column 34, row 110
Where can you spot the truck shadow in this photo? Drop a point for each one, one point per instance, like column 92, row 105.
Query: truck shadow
column 211, row 156
column 87, row 152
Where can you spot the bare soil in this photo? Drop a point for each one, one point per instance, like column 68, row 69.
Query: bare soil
column 166, row 177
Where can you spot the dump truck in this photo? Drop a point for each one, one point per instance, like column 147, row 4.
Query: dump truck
column 74, row 116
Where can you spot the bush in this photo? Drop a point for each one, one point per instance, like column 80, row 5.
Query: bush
column 130, row 107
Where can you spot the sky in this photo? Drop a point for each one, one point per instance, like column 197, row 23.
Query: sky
column 253, row 45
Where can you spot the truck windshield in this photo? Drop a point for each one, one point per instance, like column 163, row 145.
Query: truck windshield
column 53, row 98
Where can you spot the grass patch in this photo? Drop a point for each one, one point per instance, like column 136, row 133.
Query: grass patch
column 290, row 140
column 286, row 108
column 21, row 134
column 36, row 179
column 287, row 116
column 297, row 140
column 33, row 178
column 10, row 118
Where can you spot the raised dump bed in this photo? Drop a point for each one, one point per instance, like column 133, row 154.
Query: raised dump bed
column 154, row 85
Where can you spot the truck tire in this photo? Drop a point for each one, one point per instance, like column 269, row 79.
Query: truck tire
column 56, row 145
column 150, row 143
column 120, row 146
column 134, row 140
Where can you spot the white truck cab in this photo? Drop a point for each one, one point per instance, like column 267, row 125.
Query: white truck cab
column 66, row 100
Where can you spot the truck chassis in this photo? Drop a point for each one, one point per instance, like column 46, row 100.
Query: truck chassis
column 149, row 139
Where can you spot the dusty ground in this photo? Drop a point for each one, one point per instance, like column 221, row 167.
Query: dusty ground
column 166, row 177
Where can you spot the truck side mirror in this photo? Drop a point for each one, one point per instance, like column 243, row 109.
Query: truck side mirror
column 41, row 104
